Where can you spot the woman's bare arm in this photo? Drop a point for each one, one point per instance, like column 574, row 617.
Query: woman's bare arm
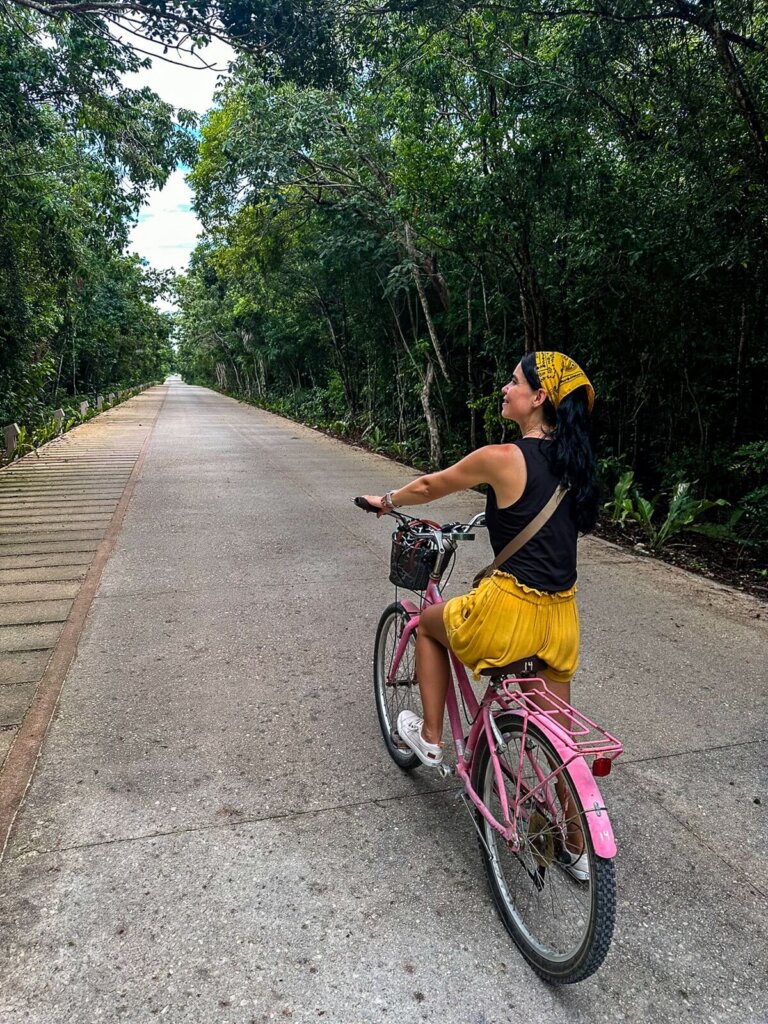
column 500, row 465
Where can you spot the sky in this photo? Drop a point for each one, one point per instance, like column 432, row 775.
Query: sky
column 167, row 228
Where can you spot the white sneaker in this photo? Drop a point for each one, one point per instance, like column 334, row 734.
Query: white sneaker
column 578, row 866
column 409, row 728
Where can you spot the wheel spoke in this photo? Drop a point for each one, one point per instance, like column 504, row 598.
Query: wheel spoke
column 550, row 911
column 400, row 693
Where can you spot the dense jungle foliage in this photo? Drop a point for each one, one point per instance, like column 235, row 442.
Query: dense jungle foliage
column 399, row 198
column 78, row 155
column 388, row 230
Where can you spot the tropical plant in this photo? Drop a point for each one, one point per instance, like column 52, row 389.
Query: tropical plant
column 25, row 443
column 682, row 511
column 621, row 505
column 47, row 432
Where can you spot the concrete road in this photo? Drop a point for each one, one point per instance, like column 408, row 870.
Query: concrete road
column 214, row 831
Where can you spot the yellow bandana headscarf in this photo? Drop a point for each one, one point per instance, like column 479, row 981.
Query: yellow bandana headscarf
column 559, row 376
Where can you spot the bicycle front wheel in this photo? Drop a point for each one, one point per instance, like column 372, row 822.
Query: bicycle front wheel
column 562, row 926
column 402, row 691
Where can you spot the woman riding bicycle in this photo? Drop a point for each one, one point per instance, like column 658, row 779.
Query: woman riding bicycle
column 527, row 606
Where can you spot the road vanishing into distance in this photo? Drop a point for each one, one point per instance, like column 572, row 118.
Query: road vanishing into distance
column 200, row 820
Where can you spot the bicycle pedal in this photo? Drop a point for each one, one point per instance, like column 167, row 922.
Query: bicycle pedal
column 445, row 769
column 398, row 741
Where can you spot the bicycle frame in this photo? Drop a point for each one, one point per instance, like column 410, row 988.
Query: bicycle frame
column 571, row 745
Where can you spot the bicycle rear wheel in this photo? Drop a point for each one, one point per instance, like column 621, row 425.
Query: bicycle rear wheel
column 402, row 692
column 563, row 927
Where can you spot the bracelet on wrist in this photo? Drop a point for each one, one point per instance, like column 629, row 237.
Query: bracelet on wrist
column 389, row 500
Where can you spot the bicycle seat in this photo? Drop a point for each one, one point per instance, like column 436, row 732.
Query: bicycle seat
column 522, row 668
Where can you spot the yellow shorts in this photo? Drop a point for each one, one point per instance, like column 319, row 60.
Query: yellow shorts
column 502, row 620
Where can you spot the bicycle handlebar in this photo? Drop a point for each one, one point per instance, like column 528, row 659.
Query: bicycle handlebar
column 443, row 537
column 454, row 529
column 366, row 505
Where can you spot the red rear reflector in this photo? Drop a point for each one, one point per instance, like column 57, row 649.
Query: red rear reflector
column 601, row 767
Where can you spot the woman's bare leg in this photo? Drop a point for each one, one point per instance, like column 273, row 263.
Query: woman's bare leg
column 563, row 691
column 433, row 671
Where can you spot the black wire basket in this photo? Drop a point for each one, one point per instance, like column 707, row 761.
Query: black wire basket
column 412, row 560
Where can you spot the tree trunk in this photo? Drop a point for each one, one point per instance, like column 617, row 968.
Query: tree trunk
column 411, row 248
column 259, row 376
column 341, row 361
column 399, row 328
column 737, row 405
column 531, row 299
column 427, row 380
column 470, row 380
column 400, row 394
column 710, row 23
column 435, row 444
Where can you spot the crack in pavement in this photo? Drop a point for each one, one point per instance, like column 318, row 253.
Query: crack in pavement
column 626, row 761
column 455, row 790
column 214, row 826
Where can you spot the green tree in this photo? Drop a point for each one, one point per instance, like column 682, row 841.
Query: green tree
column 499, row 178
column 78, row 154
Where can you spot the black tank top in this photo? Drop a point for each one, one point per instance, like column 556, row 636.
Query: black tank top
column 548, row 561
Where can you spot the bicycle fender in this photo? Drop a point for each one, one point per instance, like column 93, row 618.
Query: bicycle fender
column 594, row 808
column 409, row 606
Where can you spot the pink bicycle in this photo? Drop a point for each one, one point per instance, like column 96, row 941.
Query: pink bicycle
column 521, row 754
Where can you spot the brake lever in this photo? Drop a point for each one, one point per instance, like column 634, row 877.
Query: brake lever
column 450, row 530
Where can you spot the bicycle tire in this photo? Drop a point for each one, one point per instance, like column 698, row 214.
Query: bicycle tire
column 391, row 699
column 536, row 866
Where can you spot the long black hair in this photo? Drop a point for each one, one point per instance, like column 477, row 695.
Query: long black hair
column 570, row 452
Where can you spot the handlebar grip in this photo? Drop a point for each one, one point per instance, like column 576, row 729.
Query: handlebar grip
column 366, row 505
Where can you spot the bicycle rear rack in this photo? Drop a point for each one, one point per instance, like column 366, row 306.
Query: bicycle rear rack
column 585, row 737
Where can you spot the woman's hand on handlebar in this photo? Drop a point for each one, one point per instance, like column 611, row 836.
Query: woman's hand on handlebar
column 375, row 504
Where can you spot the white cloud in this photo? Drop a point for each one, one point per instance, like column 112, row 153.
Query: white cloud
column 192, row 86
column 167, row 228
